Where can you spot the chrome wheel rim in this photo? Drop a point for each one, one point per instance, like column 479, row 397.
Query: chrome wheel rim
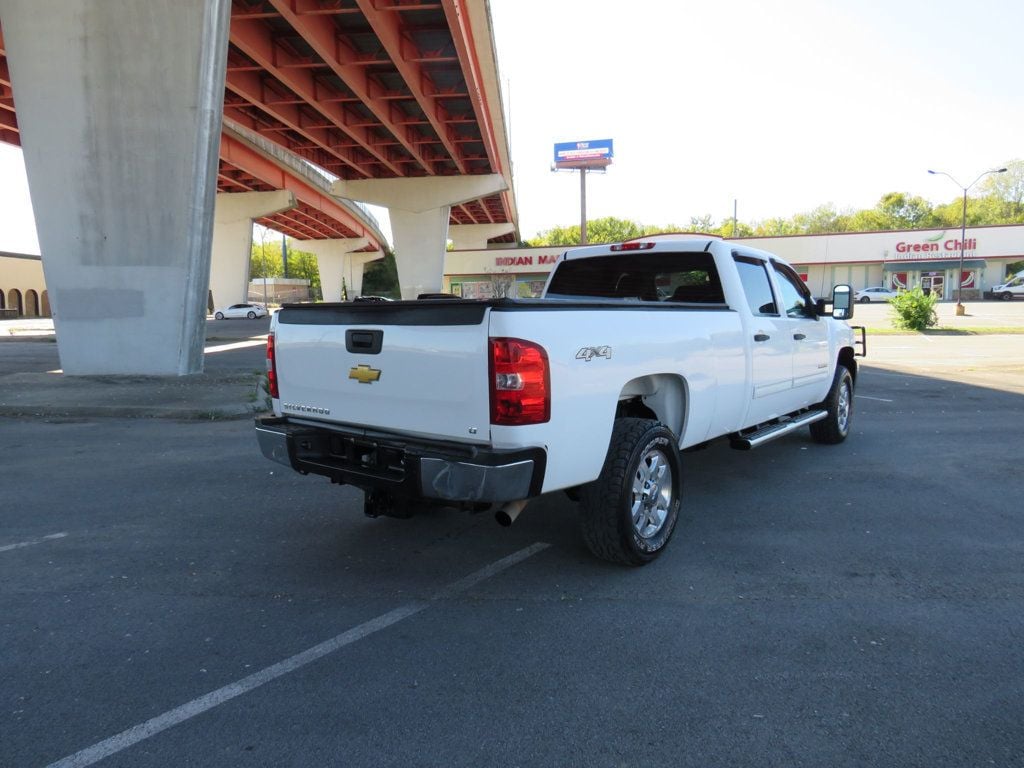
column 651, row 494
column 843, row 407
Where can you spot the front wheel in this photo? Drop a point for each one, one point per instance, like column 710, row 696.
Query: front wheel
column 865, row 299
column 1006, row 296
column 219, row 316
column 834, row 428
column 251, row 315
column 629, row 513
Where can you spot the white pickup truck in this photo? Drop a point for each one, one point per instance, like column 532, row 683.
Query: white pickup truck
column 635, row 352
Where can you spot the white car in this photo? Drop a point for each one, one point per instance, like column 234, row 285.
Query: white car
column 251, row 311
column 875, row 293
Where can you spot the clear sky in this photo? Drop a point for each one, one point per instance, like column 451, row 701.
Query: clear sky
column 780, row 105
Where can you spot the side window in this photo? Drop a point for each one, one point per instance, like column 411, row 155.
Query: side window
column 796, row 299
column 756, row 285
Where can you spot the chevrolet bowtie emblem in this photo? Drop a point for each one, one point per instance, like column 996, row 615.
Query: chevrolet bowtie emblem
column 364, row 374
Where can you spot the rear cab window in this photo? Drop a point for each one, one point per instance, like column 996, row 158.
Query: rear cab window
column 687, row 277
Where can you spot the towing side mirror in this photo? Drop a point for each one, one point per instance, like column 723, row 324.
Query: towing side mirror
column 842, row 302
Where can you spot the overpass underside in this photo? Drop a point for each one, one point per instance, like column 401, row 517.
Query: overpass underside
column 135, row 180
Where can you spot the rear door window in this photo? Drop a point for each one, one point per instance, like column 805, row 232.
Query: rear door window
column 756, row 285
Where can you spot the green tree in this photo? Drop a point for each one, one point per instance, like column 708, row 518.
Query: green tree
column 1014, row 267
column 898, row 210
column 556, row 236
column 1008, row 189
column 265, row 260
column 380, row 278
column 605, row 230
column 732, row 228
column 774, row 227
column 821, row 220
column 303, row 265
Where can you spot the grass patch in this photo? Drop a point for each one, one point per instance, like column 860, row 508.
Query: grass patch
column 948, row 331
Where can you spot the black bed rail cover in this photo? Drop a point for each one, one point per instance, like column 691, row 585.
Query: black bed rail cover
column 459, row 312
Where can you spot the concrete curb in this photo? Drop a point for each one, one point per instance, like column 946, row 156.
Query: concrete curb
column 203, row 397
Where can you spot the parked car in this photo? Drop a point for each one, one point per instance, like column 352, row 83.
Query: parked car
column 874, row 293
column 1012, row 287
column 251, row 311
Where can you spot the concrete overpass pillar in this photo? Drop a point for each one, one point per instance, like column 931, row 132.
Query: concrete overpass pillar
column 337, row 263
column 120, row 105
column 232, row 239
column 419, row 210
column 474, row 237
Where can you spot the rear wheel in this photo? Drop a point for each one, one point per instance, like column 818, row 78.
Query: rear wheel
column 219, row 316
column 839, row 402
column 629, row 513
column 865, row 299
column 251, row 315
column 1006, row 296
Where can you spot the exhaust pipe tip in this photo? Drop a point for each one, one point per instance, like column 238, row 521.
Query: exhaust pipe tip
column 508, row 512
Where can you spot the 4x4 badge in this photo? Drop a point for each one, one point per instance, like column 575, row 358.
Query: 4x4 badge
column 364, row 374
column 589, row 353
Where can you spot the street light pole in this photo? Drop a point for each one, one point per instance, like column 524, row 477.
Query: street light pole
column 963, row 229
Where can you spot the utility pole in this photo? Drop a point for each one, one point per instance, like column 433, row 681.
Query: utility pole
column 284, row 253
column 583, row 206
column 960, row 310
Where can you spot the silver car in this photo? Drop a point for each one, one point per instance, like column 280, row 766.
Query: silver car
column 874, row 293
column 251, row 311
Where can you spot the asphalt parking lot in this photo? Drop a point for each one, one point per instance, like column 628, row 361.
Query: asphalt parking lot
column 169, row 597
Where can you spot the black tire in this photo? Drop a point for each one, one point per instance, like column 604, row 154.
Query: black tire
column 1005, row 296
column 865, row 299
column 607, row 504
column 833, row 429
column 219, row 316
column 251, row 315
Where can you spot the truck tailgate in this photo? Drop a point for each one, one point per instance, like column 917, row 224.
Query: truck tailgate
column 417, row 368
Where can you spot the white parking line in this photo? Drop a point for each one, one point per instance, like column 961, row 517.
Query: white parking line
column 879, row 399
column 137, row 733
column 20, row 544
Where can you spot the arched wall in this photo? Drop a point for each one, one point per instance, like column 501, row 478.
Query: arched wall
column 23, row 274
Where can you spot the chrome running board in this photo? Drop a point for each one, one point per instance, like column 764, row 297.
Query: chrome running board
column 750, row 440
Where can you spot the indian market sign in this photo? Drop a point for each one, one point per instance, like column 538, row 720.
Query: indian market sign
column 935, row 247
column 541, row 262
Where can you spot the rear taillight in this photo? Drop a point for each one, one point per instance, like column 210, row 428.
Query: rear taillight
column 520, row 383
column 271, row 367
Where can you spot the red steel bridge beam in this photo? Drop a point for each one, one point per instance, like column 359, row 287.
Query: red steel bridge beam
column 255, row 41
column 388, row 28
column 320, row 34
column 247, row 159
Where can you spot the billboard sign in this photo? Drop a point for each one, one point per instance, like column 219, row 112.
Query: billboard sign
column 596, row 153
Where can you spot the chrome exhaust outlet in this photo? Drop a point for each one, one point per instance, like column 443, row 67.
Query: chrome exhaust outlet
column 509, row 511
